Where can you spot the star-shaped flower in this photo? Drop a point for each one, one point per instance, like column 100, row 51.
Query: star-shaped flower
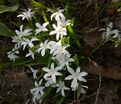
column 59, row 31
column 76, row 76
column 18, row 38
column 28, row 42
column 43, row 47
column 108, row 32
column 31, row 53
column 41, row 28
column 57, row 48
column 51, row 73
column 34, row 72
column 37, row 92
column 26, row 14
column 25, row 32
column 61, row 87
column 48, row 82
column 63, row 60
column 12, row 55
column 58, row 14
column 63, row 22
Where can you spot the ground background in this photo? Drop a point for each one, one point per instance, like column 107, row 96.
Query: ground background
column 16, row 82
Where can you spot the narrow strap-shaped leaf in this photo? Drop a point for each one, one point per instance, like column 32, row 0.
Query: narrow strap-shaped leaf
column 4, row 30
column 4, row 8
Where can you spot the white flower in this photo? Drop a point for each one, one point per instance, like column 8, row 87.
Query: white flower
column 20, row 34
column 17, row 39
column 63, row 60
column 41, row 28
column 49, row 81
column 31, row 53
column 62, row 22
column 34, row 72
column 12, row 55
column 43, row 47
column 76, row 76
column 52, row 72
column 38, row 88
column 27, row 14
column 52, row 45
column 57, row 48
column 61, row 87
column 117, row 34
column 37, row 92
column 108, row 32
column 58, row 14
column 25, row 32
column 28, row 42
column 60, row 31
column 61, row 49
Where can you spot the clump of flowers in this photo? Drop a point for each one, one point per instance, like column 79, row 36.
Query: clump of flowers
column 111, row 34
column 49, row 41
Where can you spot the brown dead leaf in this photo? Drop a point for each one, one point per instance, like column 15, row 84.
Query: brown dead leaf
column 115, row 0
column 92, row 39
column 117, row 22
column 110, row 71
column 108, row 97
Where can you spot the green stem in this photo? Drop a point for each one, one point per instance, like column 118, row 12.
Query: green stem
column 100, row 45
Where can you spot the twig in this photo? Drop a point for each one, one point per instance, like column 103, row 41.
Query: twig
column 27, row 101
column 98, row 90
column 89, row 96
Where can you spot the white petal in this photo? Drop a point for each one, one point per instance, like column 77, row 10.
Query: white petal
column 40, row 82
column 82, row 79
column 46, row 69
column 74, row 83
column 57, row 36
column 52, row 66
column 78, row 70
column 45, row 24
column 110, row 25
column 36, row 84
column 83, row 74
column 62, row 92
column 52, row 32
column 38, row 25
column 54, row 78
column 69, row 77
column 43, row 52
column 31, row 44
column 71, row 70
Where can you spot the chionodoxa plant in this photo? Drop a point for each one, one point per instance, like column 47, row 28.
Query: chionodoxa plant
column 45, row 41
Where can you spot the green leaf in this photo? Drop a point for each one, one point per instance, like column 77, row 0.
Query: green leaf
column 2, row 2
column 119, row 10
column 5, row 31
column 48, row 91
column 65, row 40
column 4, row 8
column 114, row 5
column 73, row 35
column 8, row 64
column 79, row 90
column 76, row 61
column 37, row 4
column 61, row 101
column 67, row 9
